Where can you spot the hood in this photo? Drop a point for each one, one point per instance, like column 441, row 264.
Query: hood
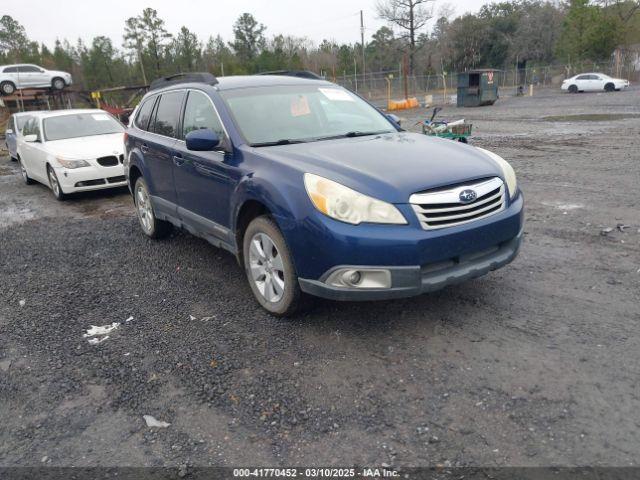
column 86, row 148
column 390, row 167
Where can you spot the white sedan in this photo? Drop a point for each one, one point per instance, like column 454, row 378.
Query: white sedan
column 593, row 82
column 72, row 151
column 16, row 77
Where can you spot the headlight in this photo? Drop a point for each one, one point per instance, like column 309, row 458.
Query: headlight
column 507, row 171
column 72, row 163
column 346, row 205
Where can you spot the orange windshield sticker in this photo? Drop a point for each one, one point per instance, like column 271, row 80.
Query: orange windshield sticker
column 300, row 106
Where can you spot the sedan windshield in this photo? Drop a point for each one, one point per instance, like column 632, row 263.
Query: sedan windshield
column 21, row 121
column 80, row 125
column 285, row 114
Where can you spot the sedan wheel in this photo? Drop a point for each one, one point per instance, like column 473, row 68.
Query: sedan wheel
column 55, row 184
column 23, row 172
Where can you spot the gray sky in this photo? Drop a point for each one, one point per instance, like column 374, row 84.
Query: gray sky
column 45, row 20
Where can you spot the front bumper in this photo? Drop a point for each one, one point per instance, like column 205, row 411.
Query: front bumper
column 418, row 260
column 90, row 178
column 415, row 280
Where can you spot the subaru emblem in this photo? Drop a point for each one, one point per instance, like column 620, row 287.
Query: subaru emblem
column 468, row 195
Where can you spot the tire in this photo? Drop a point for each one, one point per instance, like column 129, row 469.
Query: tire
column 58, row 83
column 7, row 88
column 270, row 270
column 151, row 226
column 573, row 89
column 54, row 184
column 463, row 140
column 23, row 171
column 609, row 87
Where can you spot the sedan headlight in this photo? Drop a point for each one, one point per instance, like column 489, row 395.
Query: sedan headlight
column 347, row 205
column 507, row 171
column 72, row 163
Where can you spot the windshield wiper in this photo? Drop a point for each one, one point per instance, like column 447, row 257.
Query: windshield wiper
column 354, row 133
column 282, row 141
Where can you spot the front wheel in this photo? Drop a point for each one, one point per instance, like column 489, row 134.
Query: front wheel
column 609, row 87
column 55, row 184
column 573, row 89
column 151, row 226
column 270, row 270
column 58, row 83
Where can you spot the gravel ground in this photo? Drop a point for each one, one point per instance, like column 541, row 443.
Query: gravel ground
column 533, row 365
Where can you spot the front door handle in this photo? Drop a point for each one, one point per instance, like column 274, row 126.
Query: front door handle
column 179, row 161
column 144, row 148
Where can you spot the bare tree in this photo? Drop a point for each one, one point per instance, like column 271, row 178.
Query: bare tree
column 409, row 15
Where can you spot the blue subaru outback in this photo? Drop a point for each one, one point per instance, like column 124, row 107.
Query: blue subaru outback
column 315, row 191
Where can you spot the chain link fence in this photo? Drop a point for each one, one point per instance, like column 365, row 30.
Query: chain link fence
column 380, row 86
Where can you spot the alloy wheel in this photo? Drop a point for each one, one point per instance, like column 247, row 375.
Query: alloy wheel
column 23, row 171
column 53, row 181
column 145, row 212
column 267, row 267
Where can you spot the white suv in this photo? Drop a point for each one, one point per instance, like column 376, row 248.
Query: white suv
column 24, row 75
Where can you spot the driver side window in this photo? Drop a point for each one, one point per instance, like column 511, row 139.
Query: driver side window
column 199, row 113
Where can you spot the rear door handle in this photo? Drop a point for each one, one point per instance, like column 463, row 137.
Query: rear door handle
column 144, row 148
column 179, row 161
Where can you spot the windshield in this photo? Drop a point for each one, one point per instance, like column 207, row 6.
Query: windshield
column 80, row 125
column 286, row 114
column 20, row 121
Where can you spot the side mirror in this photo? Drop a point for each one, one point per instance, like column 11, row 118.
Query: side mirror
column 202, row 140
column 30, row 138
column 8, row 132
column 393, row 118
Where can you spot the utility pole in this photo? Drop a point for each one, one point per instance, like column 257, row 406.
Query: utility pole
column 364, row 65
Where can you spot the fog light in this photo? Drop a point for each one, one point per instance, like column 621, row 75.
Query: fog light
column 351, row 277
column 360, row 278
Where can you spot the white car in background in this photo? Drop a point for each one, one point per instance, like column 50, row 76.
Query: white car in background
column 25, row 75
column 593, row 82
column 72, row 151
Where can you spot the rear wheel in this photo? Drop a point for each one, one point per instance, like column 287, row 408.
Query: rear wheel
column 23, row 172
column 609, row 87
column 58, row 83
column 7, row 88
column 151, row 226
column 56, row 188
column 269, row 268
column 573, row 89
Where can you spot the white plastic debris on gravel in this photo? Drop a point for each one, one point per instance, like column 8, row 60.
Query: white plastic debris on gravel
column 97, row 340
column 152, row 422
column 103, row 330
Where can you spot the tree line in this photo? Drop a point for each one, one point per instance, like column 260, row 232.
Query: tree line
column 499, row 35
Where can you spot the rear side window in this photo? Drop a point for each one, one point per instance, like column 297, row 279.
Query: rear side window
column 199, row 113
column 168, row 114
column 10, row 70
column 144, row 114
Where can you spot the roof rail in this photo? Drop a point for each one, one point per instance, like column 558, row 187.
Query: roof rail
column 191, row 77
column 294, row 73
